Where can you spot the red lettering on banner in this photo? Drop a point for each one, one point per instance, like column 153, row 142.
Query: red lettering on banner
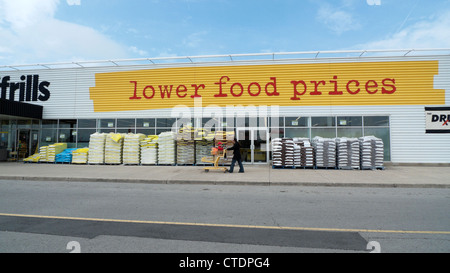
column 296, row 93
column 181, row 89
column 197, row 87
column 135, row 97
column 255, row 89
column 316, row 88
column 240, row 86
column 220, row 83
column 274, row 84
column 371, row 84
column 392, row 86
column 165, row 91
column 153, row 92
column 335, row 92
column 257, row 86
column 357, row 85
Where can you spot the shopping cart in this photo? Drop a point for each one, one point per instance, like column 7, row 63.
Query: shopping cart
column 217, row 153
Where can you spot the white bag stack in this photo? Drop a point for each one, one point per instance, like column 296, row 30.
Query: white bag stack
column 132, row 149
column 372, row 152
column 149, row 150
column 97, row 148
column 288, row 152
column 277, row 160
column 297, row 155
column 114, row 148
column 283, row 152
column 166, row 148
column 348, row 153
column 325, row 152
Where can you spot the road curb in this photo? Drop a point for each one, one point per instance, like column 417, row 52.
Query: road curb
column 225, row 183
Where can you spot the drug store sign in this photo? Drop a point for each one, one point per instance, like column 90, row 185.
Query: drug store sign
column 437, row 120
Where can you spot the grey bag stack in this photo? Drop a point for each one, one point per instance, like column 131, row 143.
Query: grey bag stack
column 325, row 149
column 348, row 153
column 288, row 152
column 306, row 153
column 372, row 152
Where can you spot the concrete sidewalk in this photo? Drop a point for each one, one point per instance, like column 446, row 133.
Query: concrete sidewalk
column 262, row 175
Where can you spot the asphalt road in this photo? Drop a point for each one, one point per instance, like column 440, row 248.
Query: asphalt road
column 60, row 217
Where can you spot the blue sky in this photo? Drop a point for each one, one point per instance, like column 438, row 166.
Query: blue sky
column 46, row 31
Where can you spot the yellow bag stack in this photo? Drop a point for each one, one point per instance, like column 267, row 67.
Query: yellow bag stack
column 55, row 149
column 34, row 158
column 132, row 149
column 43, row 154
column 185, row 146
column 149, row 150
column 113, row 148
column 80, row 156
column 166, row 148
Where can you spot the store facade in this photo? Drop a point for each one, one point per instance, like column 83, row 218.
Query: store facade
column 400, row 99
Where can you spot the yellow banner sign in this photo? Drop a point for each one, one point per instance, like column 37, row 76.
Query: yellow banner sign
column 327, row 84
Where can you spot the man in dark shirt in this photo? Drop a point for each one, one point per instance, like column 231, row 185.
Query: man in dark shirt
column 236, row 156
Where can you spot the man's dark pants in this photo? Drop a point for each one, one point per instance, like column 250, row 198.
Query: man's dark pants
column 241, row 167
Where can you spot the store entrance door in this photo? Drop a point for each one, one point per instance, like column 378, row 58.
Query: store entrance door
column 253, row 143
column 27, row 143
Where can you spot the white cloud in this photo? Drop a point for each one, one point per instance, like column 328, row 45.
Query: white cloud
column 338, row 20
column 74, row 2
column 138, row 51
column 431, row 33
column 23, row 13
column 31, row 34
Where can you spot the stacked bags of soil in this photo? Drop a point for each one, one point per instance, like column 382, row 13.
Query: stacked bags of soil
column 114, row 148
column 149, row 150
column 132, row 149
column 97, row 148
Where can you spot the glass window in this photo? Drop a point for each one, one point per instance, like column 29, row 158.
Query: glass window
column 48, row 136
column 107, row 130
column 165, row 122
column 67, row 136
column 24, row 124
column 376, row 121
column 49, row 124
column 68, row 123
column 350, row 132
column 323, row 121
column 145, row 122
column 108, row 123
column 297, row 132
column 323, row 132
column 296, row 121
column 125, row 123
column 36, row 124
column 87, row 123
column 349, row 121
column 83, row 137
column 146, row 132
column 125, row 130
column 213, row 124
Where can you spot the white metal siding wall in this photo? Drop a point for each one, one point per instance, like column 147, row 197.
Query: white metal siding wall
column 70, row 99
